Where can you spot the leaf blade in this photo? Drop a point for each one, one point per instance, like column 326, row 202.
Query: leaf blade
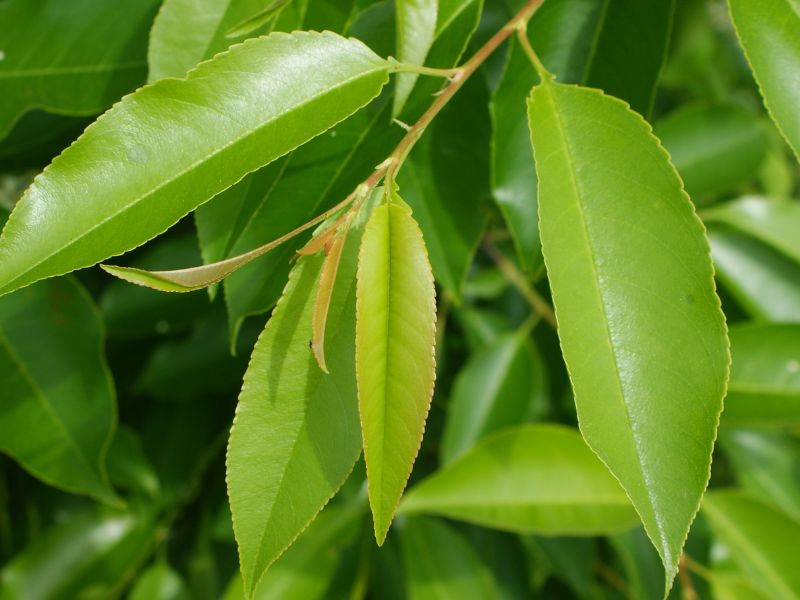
column 395, row 365
column 304, row 82
column 598, row 219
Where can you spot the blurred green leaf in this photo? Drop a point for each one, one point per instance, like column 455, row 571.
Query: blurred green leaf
column 715, row 148
column 128, row 467
column 764, row 388
column 159, row 582
column 59, row 408
column 760, row 539
column 500, row 386
column 440, row 564
column 769, row 32
column 529, row 479
column 87, row 55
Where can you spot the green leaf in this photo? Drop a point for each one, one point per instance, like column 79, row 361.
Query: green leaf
column 640, row 562
column 91, row 554
column 395, row 364
column 416, row 28
column 530, row 479
column 775, row 223
column 187, row 32
column 305, row 571
column 763, row 281
column 764, row 388
column 450, row 202
column 159, row 582
column 767, row 465
column 128, row 467
column 87, row 55
column 230, row 116
column 769, row 32
column 258, row 20
column 628, row 50
column 713, row 147
column 498, row 387
column 295, row 437
column 440, row 564
column 59, row 408
column 760, row 539
column 641, row 330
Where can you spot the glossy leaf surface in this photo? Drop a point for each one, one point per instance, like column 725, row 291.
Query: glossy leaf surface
column 177, row 143
column 440, row 563
column 295, row 436
column 530, row 479
column 769, row 32
column 622, row 314
column 59, row 408
column 764, row 389
column 760, row 539
column 88, row 54
column 395, row 331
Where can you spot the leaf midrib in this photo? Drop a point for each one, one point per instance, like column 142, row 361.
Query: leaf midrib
column 548, row 86
column 181, row 173
column 81, row 70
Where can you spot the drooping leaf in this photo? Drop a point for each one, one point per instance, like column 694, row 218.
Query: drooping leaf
column 89, row 554
column 497, row 388
column 322, row 302
column 395, row 365
column 171, row 146
column 767, row 464
column 713, row 147
column 760, row 539
column 305, row 571
column 87, row 55
column 440, row 563
column 530, row 479
column 640, row 325
column 769, row 32
column 764, row 388
column 186, row 32
column 295, row 437
column 416, row 27
column 772, row 222
column 765, row 282
column 58, row 412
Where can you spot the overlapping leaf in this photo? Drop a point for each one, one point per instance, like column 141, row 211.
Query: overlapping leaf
column 640, row 324
column 416, row 27
column 529, row 479
column 171, row 146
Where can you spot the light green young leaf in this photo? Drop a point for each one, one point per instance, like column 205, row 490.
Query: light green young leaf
column 497, row 388
column 257, row 20
column 769, row 32
column 713, row 147
column 530, row 479
column 761, row 540
column 171, row 146
column 640, row 325
column 395, row 364
column 295, row 437
column 440, row 564
column 775, row 223
column 59, row 410
column 87, row 55
column 764, row 389
column 765, row 282
column 416, row 27
column 767, row 465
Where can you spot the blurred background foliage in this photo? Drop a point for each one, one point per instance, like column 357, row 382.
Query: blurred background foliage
column 148, row 381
